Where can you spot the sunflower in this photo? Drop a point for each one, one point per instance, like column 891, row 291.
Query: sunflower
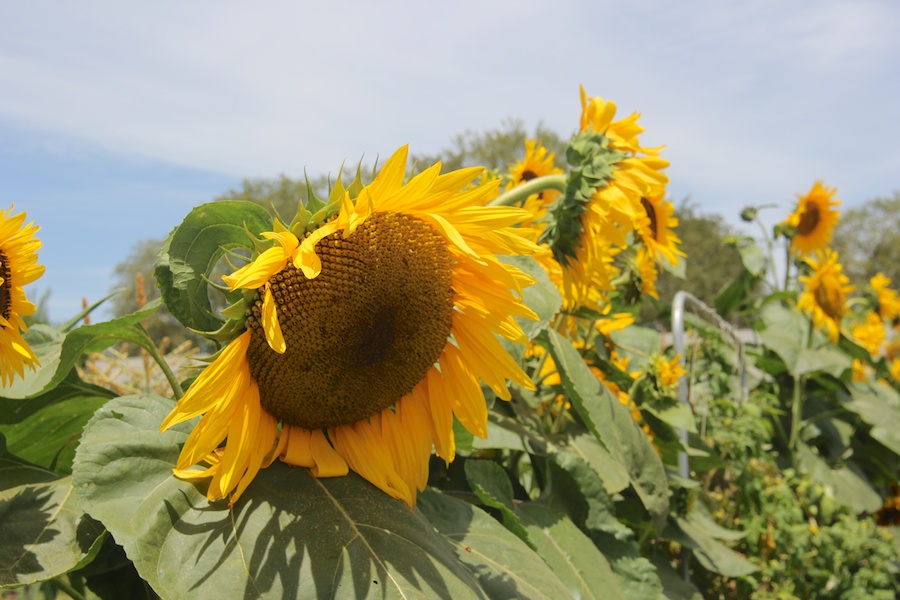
column 655, row 228
column 18, row 267
column 669, row 371
column 871, row 334
column 813, row 220
column 826, row 292
column 538, row 162
column 887, row 298
column 860, row 371
column 364, row 336
column 614, row 208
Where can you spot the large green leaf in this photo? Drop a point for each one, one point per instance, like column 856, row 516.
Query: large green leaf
column 45, row 532
column 612, row 424
column 503, row 564
column 48, row 438
column 59, row 353
column 710, row 552
column 290, row 535
column 878, row 405
column 576, row 487
column 593, row 453
column 786, row 332
column 571, row 554
column 850, row 485
column 193, row 249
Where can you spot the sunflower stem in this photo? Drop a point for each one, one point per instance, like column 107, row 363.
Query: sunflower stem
column 770, row 251
column 520, row 193
column 787, row 267
column 797, row 404
column 65, row 587
column 151, row 348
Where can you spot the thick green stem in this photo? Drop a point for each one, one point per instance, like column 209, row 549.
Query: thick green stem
column 151, row 348
column 520, row 193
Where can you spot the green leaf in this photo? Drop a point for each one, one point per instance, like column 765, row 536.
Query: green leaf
column 637, row 342
column 636, row 574
column 492, row 486
column 878, row 405
column 45, row 532
column 576, row 487
column 13, row 410
column 60, row 354
column 849, row 484
column 753, row 258
column 503, row 564
column 709, row 552
column 612, row 424
column 48, row 438
column 192, row 250
column 786, row 332
column 542, row 297
column 591, row 451
column 571, row 554
column 290, row 533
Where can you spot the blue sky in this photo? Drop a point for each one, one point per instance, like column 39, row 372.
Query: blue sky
column 117, row 118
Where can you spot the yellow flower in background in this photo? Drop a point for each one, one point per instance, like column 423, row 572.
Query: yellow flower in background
column 871, row 334
column 646, row 268
column 538, row 162
column 888, row 299
column 825, row 294
column 814, row 220
column 18, row 268
column 669, row 371
column 895, row 369
column 860, row 370
column 345, row 361
column 655, row 228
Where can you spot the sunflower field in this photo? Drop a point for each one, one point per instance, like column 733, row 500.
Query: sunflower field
column 430, row 384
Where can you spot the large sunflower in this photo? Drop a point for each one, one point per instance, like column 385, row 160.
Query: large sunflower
column 18, row 267
column 363, row 339
column 813, row 220
column 826, row 292
column 615, row 207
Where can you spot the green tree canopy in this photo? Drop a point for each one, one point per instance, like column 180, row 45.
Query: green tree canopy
column 868, row 240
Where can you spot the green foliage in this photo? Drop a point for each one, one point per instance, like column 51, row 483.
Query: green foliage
column 878, row 250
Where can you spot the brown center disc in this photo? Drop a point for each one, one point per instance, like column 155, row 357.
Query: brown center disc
column 364, row 332
column 5, row 287
column 809, row 220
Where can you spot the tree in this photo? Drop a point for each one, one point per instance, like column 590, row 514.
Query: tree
column 497, row 149
column 868, row 240
column 711, row 263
